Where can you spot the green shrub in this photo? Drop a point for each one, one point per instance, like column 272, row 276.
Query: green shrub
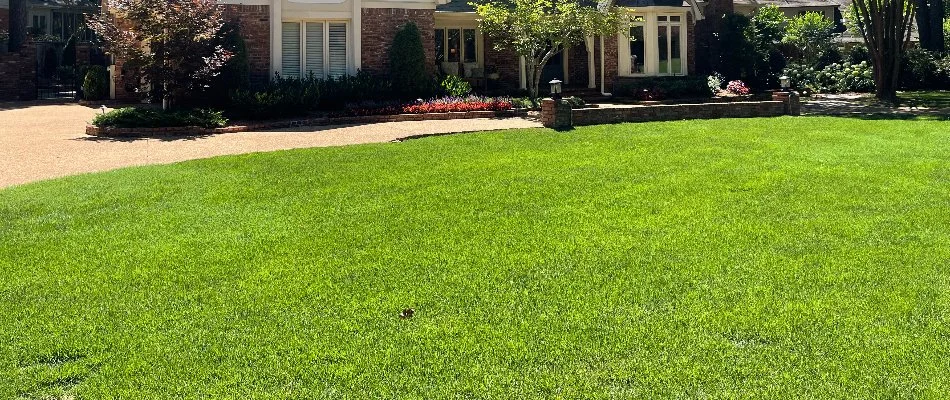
column 407, row 64
column 455, row 86
column 663, row 88
column 810, row 35
column 920, row 70
column 858, row 53
column 95, row 85
column 145, row 118
column 525, row 102
column 834, row 78
column 575, row 102
column 289, row 97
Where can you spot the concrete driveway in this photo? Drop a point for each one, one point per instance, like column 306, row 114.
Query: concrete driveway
column 41, row 141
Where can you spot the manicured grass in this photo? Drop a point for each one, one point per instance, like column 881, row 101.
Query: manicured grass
column 929, row 99
column 765, row 258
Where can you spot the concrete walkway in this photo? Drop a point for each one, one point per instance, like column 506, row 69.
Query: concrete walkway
column 47, row 141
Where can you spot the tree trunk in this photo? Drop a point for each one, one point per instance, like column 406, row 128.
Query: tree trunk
column 923, row 24
column 937, row 14
column 18, row 22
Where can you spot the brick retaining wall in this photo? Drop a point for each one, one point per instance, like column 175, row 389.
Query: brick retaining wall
column 18, row 74
column 668, row 112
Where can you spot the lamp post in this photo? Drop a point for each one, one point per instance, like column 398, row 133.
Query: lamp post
column 785, row 82
column 555, row 89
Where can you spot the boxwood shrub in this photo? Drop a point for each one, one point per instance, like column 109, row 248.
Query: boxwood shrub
column 146, row 118
column 662, row 88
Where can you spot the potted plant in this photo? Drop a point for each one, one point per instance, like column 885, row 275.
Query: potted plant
column 4, row 39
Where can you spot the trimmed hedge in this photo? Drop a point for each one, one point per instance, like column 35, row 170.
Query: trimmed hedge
column 144, row 118
column 662, row 88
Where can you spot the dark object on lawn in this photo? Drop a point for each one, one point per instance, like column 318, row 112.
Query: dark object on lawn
column 407, row 313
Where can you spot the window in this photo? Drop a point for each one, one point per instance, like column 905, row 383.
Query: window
column 313, row 47
column 439, row 45
column 456, row 45
column 39, row 23
column 669, row 30
column 637, row 49
column 469, row 38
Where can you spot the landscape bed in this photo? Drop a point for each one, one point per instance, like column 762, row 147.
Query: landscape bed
column 734, row 258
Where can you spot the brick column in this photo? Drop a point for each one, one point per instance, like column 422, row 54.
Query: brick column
column 556, row 114
column 791, row 100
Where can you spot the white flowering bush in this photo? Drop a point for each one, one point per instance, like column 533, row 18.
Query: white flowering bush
column 834, row 78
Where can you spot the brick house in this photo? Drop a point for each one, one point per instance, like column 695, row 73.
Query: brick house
column 335, row 37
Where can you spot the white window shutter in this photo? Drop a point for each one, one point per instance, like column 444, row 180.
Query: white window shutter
column 290, row 50
column 314, row 42
column 337, row 49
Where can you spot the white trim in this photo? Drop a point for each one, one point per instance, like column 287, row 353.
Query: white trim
column 651, row 64
column 357, row 33
column 565, row 57
column 311, row 16
column 603, row 83
column 591, row 65
column 276, row 32
column 522, row 74
column 410, row 5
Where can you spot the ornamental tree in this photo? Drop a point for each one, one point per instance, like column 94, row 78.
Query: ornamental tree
column 885, row 26
column 811, row 34
column 541, row 29
column 174, row 46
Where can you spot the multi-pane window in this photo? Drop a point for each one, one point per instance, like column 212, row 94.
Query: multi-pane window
column 669, row 34
column 39, row 23
column 456, row 45
column 313, row 47
column 637, row 47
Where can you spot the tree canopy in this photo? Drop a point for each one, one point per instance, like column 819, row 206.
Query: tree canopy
column 175, row 45
column 540, row 29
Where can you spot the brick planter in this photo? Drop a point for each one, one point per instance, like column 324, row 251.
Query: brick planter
column 93, row 130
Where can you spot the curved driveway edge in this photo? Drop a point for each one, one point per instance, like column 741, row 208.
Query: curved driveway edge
column 48, row 141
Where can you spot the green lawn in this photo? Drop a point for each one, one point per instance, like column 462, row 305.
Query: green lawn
column 759, row 258
column 930, row 99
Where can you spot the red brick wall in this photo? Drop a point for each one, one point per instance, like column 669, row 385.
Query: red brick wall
column 690, row 44
column 675, row 112
column 254, row 22
column 506, row 63
column 5, row 19
column 577, row 65
column 611, row 61
column 18, row 74
column 380, row 26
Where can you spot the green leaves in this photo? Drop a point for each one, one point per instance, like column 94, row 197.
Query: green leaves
column 540, row 29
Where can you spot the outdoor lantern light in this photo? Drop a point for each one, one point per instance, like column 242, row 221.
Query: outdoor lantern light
column 785, row 81
column 555, row 89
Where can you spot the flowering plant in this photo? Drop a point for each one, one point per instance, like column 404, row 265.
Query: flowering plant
column 737, row 87
column 458, row 104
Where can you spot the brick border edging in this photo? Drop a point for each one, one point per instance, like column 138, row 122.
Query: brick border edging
column 93, row 130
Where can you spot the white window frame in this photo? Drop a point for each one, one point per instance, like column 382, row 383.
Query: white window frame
column 669, row 24
column 326, row 44
column 651, row 49
column 461, row 29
